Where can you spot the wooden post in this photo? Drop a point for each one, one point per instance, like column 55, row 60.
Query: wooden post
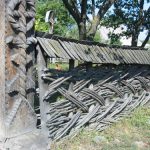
column 71, row 64
column 17, row 115
column 41, row 63
column 2, row 69
column 88, row 66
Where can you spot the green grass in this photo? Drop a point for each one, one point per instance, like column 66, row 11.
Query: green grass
column 64, row 66
column 132, row 133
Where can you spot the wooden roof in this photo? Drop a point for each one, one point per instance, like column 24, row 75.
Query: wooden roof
column 94, row 52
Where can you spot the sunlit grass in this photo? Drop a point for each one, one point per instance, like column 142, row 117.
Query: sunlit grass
column 132, row 133
column 63, row 66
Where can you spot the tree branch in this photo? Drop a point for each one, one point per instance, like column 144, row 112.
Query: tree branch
column 83, row 9
column 93, row 8
column 96, row 20
column 70, row 5
column 104, row 8
column 146, row 39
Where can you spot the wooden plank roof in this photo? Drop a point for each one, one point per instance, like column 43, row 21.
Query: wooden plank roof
column 95, row 52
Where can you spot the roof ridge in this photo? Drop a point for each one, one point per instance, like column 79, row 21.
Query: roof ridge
column 85, row 42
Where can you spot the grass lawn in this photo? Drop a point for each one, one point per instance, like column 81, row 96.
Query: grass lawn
column 132, row 133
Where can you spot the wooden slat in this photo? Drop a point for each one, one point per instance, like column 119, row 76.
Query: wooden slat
column 134, row 57
column 127, row 54
column 147, row 56
column 139, row 56
column 115, row 54
column 83, row 57
column 73, row 45
column 123, row 54
column 110, row 53
column 58, row 48
column 144, row 58
column 95, row 54
column 48, row 47
column 45, row 48
column 86, row 57
column 105, row 55
column 66, row 50
column 70, row 50
column 90, row 51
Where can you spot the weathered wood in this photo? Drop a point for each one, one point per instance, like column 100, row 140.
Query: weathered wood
column 17, row 115
column 92, row 52
column 41, row 63
column 2, row 69
column 113, row 95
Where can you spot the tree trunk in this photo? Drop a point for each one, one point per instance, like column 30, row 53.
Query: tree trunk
column 93, row 29
column 82, row 31
column 134, row 39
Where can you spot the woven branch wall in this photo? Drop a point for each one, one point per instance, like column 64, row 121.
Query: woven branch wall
column 95, row 98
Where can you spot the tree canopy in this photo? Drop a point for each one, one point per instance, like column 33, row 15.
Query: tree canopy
column 132, row 16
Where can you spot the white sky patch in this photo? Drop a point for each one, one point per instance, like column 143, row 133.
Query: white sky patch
column 105, row 31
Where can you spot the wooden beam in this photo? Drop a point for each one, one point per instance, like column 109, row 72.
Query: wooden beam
column 41, row 63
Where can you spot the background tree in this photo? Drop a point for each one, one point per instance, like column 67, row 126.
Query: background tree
column 80, row 11
column 131, row 15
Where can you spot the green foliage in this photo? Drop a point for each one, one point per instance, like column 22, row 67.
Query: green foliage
column 64, row 21
column 73, row 33
column 97, row 37
column 114, row 39
column 131, row 15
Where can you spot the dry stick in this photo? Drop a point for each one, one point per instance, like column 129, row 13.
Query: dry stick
column 68, row 126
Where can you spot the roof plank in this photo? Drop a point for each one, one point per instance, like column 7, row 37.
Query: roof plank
column 92, row 51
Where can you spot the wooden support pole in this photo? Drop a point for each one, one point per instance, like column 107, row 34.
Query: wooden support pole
column 88, row 66
column 41, row 63
column 2, row 69
column 71, row 64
